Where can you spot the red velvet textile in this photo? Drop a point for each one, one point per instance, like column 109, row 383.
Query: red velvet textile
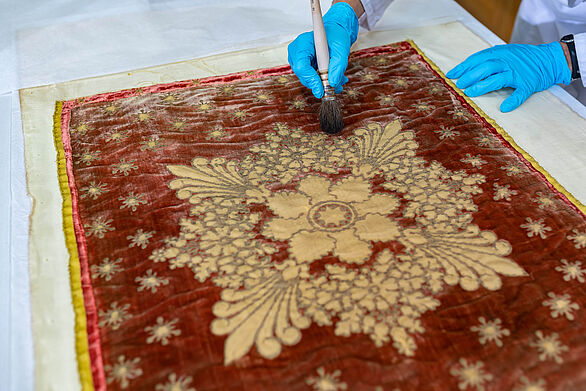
column 150, row 314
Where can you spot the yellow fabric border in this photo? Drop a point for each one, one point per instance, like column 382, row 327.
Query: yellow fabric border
column 81, row 337
column 503, row 132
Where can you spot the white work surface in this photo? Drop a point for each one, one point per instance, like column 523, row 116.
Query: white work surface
column 49, row 43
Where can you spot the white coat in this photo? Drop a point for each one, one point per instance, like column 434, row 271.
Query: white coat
column 543, row 21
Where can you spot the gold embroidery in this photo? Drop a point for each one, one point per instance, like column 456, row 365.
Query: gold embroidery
column 162, row 331
column 326, row 381
column 106, row 269
column 579, row 238
column 503, row 192
column 176, row 383
column 114, row 316
column 490, row 331
column 123, row 371
column 471, row 375
column 549, row 347
column 527, row 385
column 572, row 271
column 266, row 303
column 535, row 228
column 560, row 305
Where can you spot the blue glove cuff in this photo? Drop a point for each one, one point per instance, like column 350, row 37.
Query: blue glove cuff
column 344, row 16
column 561, row 71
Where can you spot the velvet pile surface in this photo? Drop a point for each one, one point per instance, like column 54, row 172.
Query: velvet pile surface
column 220, row 241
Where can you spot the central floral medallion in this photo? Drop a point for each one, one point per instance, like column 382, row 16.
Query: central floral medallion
column 257, row 244
column 332, row 216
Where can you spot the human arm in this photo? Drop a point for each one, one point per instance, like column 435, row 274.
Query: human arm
column 341, row 26
column 526, row 68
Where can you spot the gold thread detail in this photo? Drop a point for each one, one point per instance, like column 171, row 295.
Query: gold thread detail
column 81, row 338
column 502, row 132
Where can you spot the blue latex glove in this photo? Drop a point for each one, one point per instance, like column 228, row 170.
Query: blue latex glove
column 526, row 68
column 341, row 25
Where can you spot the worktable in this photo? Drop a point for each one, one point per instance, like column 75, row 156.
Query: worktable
column 43, row 49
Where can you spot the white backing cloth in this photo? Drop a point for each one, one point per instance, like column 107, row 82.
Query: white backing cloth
column 30, row 31
column 53, row 318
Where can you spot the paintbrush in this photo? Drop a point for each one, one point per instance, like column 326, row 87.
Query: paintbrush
column 330, row 115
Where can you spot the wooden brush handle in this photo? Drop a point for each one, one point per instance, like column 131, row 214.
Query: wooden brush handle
column 321, row 43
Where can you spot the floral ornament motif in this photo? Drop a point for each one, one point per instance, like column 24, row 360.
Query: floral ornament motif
column 503, row 192
column 535, row 228
column 326, row 381
column 114, row 316
column 226, row 89
column 334, row 217
column 132, row 201
column 204, row 106
column 241, row 115
column 263, row 97
column 368, row 77
column 579, row 238
column 124, row 167
column 543, row 200
column 87, row 157
column 471, row 375
column 111, row 108
column 380, row 60
column 424, row 107
column 513, row 169
column 560, row 305
column 549, row 347
column 572, row 271
column 459, row 114
column 297, row 104
column 283, row 79
column 93, row 190
column 267, row 304
column 106, row 269
column 178, row 124
column 140, row 238
column 217, row 133
column 117, row 135
column 352, row 93
column 169, row 98
column 401, row 83
column 436, row 89
column 385, row 100
column 474, row 161
column 150, row 281
column 152, row 144
column 527, row 385
column 176, row 383
column 414, row 68
column 484, row 140
column 447, row 132
column 98, row 227
column 162, row 331
column 123, row 371
column 490, row 331
column 144, row 115
column 82, row 128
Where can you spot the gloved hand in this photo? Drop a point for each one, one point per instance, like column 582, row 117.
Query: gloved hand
column 526, row 68
column 341, row 26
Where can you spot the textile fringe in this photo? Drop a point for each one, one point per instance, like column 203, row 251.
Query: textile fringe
column 503, row 133
column 81, row 338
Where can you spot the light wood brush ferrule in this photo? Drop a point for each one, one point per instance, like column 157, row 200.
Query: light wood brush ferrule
column 321, row 48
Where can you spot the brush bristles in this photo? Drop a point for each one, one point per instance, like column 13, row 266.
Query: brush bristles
column 330, row 116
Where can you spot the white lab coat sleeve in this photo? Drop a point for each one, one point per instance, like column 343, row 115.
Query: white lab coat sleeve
column 373, row 11
column 580, row 43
